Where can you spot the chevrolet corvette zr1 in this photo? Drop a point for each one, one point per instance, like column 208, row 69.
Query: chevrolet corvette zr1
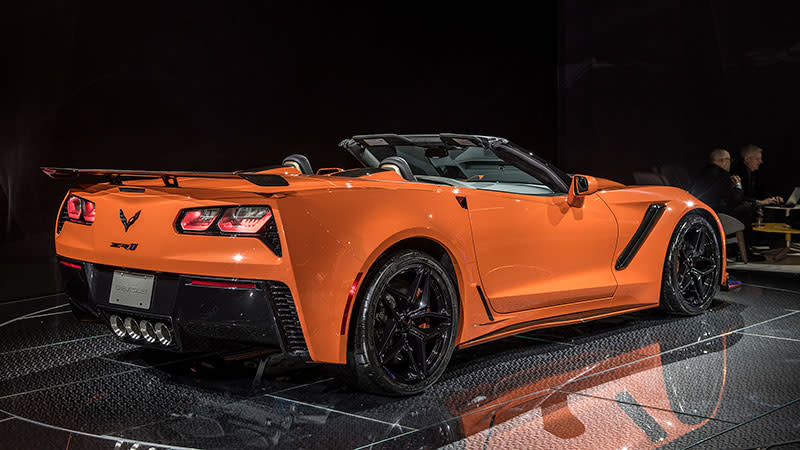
column 437, row 242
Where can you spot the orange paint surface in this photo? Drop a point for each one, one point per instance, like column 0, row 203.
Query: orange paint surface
column 540, row 261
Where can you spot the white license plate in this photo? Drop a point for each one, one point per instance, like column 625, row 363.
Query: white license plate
column 131, row 289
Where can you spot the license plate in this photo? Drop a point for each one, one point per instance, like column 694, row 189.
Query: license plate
column 131, row 289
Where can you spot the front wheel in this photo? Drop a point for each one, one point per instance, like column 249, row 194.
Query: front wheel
column 406, row 326
column 690, row 280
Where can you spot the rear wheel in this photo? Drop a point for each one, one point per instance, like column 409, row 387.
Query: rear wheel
column 406, row 326
column 690, row 280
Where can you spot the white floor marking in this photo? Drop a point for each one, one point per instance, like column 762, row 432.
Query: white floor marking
column 55, row 343
column 32, row 314
column 341, row 412
column 773, row 288
column 48, row 314
column 30, row 299
column 771, row 337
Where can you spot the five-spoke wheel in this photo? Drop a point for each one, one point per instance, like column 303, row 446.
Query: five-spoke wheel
column 406, row 326
column 692, row 267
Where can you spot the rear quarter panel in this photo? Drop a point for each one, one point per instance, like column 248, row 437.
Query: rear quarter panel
column 334, row 234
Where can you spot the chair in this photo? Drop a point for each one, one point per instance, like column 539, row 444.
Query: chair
column 676, row 176
column 734, row 227
column 649, row 179
column 399, row 165
column 299, row 162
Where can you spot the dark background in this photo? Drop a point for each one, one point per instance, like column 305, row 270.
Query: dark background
column 604, row 90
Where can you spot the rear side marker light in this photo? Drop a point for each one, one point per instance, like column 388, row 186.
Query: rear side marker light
column 72, row 265
column 244, row 219
column 350, row 296
column 223, row 284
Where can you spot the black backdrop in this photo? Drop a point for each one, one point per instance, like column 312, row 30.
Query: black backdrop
column 216, row 86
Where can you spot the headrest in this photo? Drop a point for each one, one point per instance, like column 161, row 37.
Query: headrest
column 399, row 165
column 299, row 162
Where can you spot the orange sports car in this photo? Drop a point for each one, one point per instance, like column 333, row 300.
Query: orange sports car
column 438, row 242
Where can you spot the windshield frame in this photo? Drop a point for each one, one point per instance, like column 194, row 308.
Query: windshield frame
column 514, row 155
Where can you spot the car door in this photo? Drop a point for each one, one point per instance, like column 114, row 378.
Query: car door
column 537, row 251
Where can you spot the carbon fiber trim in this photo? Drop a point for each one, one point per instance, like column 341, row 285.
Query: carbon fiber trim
column 650, row 219
column 62, row 217
column 272, row 238
column 289, row 323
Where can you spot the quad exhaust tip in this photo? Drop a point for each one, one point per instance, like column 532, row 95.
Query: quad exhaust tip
column 136, row 329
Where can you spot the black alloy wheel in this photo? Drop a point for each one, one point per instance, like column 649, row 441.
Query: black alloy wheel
column 691, row 277
column 407, row 325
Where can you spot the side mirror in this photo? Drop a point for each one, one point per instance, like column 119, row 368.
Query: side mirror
column 581, row 186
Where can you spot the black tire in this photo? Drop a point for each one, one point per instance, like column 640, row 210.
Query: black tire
column 691, row 275
column 406, row 325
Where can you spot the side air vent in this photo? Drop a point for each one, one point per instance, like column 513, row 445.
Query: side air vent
column 63, row 216
column 272, row 239
column 286, row 314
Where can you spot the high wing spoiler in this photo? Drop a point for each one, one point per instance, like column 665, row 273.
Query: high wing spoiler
column 169, row 177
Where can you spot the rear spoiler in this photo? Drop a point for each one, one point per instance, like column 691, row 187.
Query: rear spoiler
column 169, row 177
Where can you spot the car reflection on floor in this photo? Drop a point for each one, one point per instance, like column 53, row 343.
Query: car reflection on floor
column 621, row 382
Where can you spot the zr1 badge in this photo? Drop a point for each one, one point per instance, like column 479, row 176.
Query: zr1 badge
column 130, row 247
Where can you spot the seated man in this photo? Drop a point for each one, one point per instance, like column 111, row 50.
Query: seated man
column 720, row 190
column 755, row 193
column 715, row 186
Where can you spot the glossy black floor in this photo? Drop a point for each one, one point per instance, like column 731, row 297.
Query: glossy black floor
column 726, row 379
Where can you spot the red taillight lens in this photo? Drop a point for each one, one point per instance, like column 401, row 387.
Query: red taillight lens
column 74, row 207
column 72, row 265
column 198, row 219
column 88, row 211
column 244, row 219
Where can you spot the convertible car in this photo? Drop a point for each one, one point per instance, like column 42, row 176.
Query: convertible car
column 438, row 242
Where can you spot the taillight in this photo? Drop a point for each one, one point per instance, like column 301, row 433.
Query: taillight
column 74, row 207
column 198, row 219
column 77, row 210
column 88, row 211
column 244, row 219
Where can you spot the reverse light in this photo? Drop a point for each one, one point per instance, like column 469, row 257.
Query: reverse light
column 198, row 219
column 244, row 219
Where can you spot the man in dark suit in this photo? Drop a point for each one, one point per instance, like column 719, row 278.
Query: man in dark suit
column 715, row 186
column 720, row 190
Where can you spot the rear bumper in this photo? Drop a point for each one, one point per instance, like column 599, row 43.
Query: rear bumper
column 201, row 318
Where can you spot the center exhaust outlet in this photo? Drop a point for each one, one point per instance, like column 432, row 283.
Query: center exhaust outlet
column 132, row 328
